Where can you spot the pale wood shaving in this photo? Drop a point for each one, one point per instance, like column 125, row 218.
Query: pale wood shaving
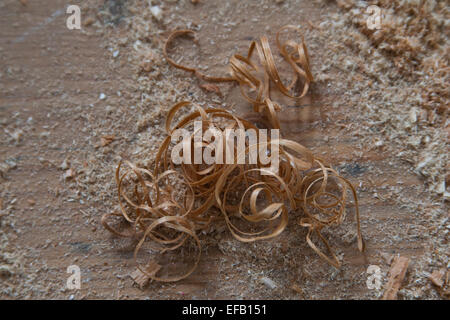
column 397, row 274
column 142, row 279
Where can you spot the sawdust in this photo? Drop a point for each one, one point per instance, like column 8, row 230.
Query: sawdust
column 393, row 113
column 404, row 70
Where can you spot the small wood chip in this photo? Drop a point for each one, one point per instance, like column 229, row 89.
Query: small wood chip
column 69, row 174
column 437, row 277
column 105, row 140
column 142, row 279
column 65, row 165
column 397, row 274
column 88, row 21
column 297, row 289
column 211, row 88
column 146, row 66
column 269, row 282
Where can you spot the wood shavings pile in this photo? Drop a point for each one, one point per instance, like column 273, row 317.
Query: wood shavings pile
column 148, row 199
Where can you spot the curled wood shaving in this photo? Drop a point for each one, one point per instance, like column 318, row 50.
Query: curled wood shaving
column 253, row 200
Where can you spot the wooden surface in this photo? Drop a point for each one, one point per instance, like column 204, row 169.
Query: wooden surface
column 53, row 75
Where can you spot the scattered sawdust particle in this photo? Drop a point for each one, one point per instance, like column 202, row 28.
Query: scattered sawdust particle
column 387, row 257
column 16, row 135
column 211, row 88
column 397, row 274
column 150, row 60
column 156, row 12
column 5, row 271
column 312, row 25
column 297, row 289
column 31, row 202
column 65, row 165
column 69, row 174
column 24, row 2
column 142, row 279
column 105, row 140
column 146, row 66
column 88, row 21
column 269, row 282
column 284, row 247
